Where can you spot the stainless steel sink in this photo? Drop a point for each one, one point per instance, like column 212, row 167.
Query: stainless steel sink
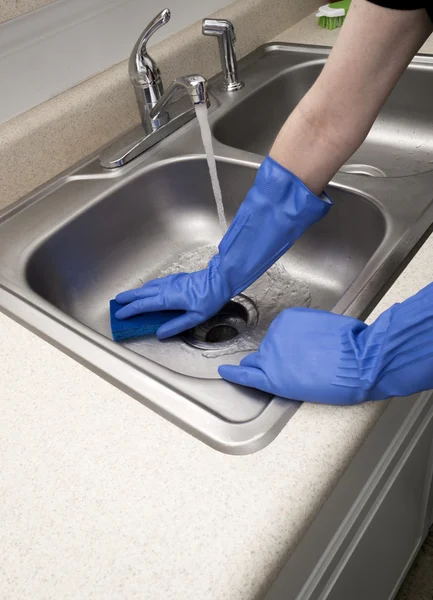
column 167, row 212
column 68, row 248
column 400, row 142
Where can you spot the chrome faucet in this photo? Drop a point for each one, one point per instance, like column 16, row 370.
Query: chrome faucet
column 160, row 114
column 225, row 32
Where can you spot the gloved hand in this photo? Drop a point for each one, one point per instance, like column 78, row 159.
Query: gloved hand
column 277, row 210
column 317, row 356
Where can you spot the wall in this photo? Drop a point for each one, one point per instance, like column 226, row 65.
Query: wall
column 50, row 50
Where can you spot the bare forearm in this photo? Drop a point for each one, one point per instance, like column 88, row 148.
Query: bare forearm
column 334, row 117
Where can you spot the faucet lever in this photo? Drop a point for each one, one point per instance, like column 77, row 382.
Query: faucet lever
column 143, row 71
column 225, row 32
column 161, row 19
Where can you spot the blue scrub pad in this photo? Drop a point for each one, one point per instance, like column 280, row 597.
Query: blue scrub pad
column 145, row 324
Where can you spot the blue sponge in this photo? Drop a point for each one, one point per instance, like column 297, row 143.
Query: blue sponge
column 146, row 324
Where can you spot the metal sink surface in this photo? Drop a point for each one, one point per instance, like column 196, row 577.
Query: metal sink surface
column 400, row 142
column 74, row 243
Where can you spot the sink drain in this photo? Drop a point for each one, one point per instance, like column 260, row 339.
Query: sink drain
column 221, row 333
column 228, row 327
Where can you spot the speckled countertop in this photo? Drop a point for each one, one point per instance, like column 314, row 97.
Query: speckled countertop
column 103, row 499
column 10, row 9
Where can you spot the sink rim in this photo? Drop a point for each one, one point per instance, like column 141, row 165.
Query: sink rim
column 53, row 324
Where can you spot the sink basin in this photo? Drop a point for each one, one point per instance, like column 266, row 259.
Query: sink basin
column 70, row 246
column 165, row 216
column 400, row 142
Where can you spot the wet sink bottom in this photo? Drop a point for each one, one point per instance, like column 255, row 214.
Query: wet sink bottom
column 235, row 331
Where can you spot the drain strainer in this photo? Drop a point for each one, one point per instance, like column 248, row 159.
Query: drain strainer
column 228, row 327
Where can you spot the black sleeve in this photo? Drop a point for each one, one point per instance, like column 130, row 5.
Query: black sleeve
column 407, row 5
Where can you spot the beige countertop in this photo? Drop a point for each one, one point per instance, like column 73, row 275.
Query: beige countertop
column 9, row 9
column 102, row 498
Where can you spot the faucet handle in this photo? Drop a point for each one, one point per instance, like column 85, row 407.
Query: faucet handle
column 161, row 19
column 142, row 70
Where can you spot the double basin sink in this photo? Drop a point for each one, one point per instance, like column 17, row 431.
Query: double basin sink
column 74, row 243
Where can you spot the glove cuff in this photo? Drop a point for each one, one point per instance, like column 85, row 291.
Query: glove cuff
column 275, row 213
column 394, row 355
column 406, row 362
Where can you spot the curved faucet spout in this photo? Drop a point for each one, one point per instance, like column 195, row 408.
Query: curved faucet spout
column 194, row 85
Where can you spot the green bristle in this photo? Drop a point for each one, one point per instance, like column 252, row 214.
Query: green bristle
column 331, row 22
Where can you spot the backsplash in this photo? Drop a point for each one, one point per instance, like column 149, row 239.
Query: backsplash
column 9, row 9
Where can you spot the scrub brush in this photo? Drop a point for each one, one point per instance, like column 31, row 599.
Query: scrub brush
column 332, row 15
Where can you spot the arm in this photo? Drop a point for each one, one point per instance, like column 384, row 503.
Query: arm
column 373, row 49
column 315, row 355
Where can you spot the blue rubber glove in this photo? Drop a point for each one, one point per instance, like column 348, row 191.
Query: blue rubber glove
column 317, row 356
column 277, row 210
